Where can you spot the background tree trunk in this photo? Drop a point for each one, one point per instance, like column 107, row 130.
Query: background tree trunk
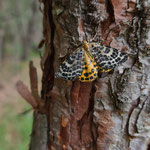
column 2, row 49
column 111, row 113
column 27, row 37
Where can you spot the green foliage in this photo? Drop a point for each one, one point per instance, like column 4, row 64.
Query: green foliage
column 15, row 130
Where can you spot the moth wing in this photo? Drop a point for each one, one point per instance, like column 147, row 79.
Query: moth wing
column 106, row 57
column 72, row 66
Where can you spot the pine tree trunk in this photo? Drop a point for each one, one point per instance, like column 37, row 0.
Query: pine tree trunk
column 111, row 113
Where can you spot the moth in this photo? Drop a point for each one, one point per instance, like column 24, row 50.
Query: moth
column 85, row 62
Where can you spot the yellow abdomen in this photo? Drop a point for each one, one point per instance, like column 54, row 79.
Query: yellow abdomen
column 90, row 69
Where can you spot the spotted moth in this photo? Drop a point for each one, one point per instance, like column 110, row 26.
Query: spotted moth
column 87, row 60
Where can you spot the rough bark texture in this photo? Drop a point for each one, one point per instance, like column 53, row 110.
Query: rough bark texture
column 111, row 113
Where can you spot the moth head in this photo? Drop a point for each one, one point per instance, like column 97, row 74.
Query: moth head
column 85, row 45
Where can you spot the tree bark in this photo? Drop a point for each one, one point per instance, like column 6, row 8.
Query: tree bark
column 111, row 113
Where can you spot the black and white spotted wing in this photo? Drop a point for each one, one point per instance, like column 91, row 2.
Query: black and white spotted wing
column 72, row 66
column 106, row 57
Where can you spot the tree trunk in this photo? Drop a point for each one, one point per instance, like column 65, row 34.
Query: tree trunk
column 2, row 47
column 111, row 113
column 27, row 37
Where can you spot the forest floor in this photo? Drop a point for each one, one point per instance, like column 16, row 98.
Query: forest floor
column 15, row 127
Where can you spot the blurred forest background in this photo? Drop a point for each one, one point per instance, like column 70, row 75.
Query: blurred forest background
column 20, row 34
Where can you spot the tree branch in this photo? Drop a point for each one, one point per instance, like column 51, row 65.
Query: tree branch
column 26, row 94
